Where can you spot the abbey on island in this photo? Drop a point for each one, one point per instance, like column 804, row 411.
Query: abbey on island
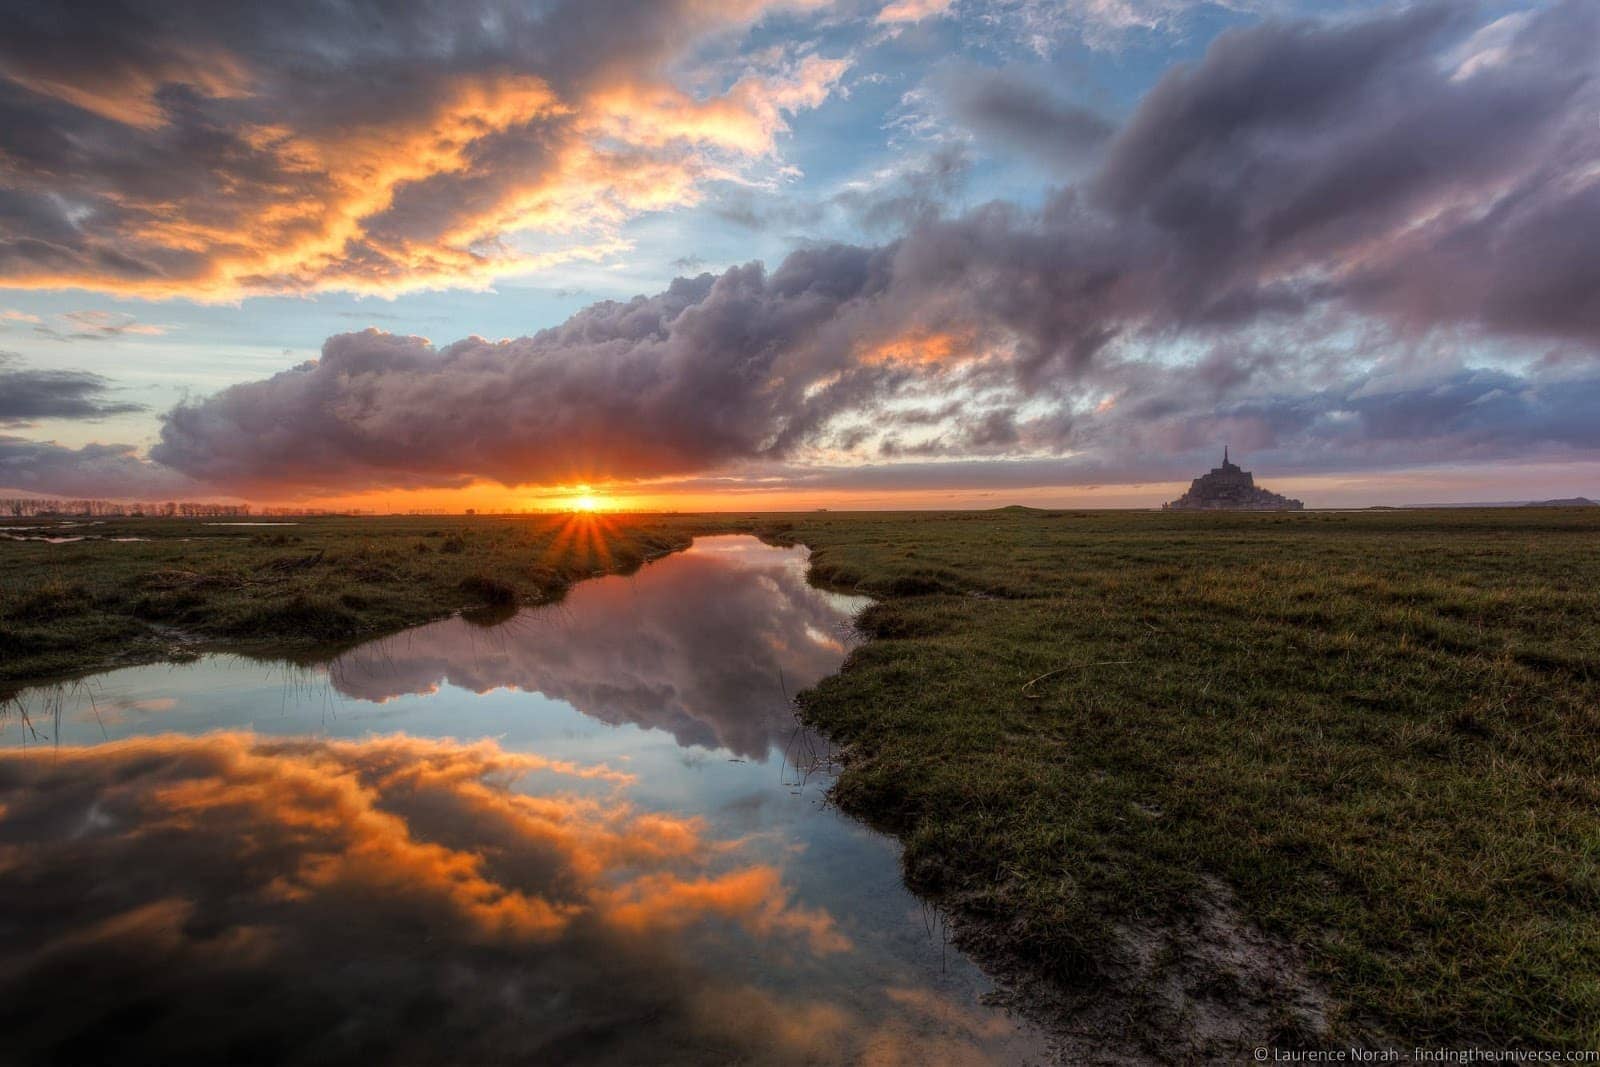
column 1230, row 488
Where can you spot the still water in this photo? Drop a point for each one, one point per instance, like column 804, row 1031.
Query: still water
column 591, row 832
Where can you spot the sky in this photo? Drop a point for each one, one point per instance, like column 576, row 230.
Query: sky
column 740, row 254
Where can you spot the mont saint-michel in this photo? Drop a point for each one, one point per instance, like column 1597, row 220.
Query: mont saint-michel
column 1230, row 488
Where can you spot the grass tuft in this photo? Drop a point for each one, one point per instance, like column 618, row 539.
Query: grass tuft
column 489, row 590
column 302, row 614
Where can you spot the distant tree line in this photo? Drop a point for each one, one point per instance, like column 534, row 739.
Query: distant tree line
column 29, row 507
column 292, row 509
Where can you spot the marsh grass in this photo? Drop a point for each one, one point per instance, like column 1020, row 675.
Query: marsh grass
column 489, row 590
column 65, row 608
column 1380, row 732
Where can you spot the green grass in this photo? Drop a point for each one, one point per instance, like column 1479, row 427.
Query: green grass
column 1380, row 731
column 65, row 608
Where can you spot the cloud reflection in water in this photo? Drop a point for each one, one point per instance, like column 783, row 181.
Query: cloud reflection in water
column 540, row 895
column 707, row 645
column 231, row 897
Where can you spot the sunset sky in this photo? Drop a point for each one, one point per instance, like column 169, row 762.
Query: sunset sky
column 798, row 253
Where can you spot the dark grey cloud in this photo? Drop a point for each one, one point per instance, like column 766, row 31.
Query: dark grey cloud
column 713, row 369
column 1359, row 422
column 1382, row 158
column 1460, row 417
column 1410, row 166
column 1021, row 115
column 27, row 394
column 113, row 471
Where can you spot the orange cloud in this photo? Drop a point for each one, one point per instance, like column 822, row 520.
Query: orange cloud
column 903, row 11
column 754, row 897
column 923, row 347
column 444, row 173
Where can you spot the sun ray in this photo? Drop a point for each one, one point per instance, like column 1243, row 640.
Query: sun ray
column 560, row 545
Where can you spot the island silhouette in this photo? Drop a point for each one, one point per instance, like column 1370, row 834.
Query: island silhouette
column 1230, row 488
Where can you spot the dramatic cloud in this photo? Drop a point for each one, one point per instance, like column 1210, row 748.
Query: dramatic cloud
column 1350, row 168
column 1294, row 241
column 710, row 370
column 94, row 470
column 1156, row 418
column 199, row 149
column 27, row 395
column 1373, row 161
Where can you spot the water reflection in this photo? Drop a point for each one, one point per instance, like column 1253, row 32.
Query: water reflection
column 324, row 891
column 709, row 648
column 506, row 881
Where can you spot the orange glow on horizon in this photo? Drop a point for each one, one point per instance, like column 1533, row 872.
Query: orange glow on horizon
column 613, row 503
column 614, row 500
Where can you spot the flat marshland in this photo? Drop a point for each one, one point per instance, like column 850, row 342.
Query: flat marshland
column 1219, row 778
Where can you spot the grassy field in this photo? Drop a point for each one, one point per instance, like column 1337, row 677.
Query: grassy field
column 190, row 584
column 1220, row 778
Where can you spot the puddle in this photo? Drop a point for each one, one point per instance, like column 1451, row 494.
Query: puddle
column 47, row 540
column 68, row 540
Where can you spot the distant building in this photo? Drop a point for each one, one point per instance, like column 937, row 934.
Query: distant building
column 1229, row 488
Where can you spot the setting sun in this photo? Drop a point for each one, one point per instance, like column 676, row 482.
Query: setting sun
column 586, row 503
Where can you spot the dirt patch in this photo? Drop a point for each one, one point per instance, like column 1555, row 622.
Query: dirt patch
column 1209, row 988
